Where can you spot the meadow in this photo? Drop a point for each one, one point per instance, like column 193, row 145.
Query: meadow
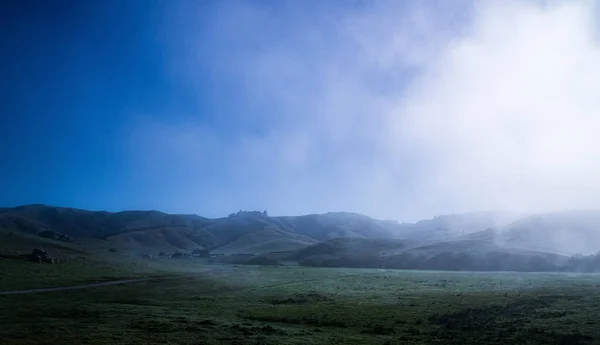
column 201, row 303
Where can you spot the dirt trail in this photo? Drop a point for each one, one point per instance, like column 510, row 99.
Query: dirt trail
column 75, row 287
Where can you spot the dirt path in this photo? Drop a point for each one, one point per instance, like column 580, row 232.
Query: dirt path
column 76, row 287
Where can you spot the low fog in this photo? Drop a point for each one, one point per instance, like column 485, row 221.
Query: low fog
column 397, row 110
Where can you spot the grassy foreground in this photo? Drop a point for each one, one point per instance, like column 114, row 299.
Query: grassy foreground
column 295, row 305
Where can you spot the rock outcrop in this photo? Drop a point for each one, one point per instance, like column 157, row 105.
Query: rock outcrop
column 39, row 255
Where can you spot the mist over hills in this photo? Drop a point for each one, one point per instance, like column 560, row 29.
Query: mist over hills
column 567, row 232
column 336, row 233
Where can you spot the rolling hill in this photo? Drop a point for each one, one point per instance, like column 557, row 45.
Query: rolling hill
column 149, row 231
column 566, row 232
column 335, row 233
column 341, row 224
column 348, row 246
column 451, row 226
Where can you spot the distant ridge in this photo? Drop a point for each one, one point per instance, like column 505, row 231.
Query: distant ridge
column 566, row 232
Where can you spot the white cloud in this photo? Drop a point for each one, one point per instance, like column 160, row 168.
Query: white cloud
column 509, row 115
column 401, row 110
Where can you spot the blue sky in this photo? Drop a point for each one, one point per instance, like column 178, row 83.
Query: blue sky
column 398, row 110
column 78, row 75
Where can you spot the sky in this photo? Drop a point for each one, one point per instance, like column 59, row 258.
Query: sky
column 395, row 109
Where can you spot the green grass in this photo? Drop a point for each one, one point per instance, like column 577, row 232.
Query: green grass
column 15, row 242
column 20, row 274
column 80, row 264
column 221, row 304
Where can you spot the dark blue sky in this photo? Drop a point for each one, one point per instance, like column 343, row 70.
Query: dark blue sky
column 73, row 72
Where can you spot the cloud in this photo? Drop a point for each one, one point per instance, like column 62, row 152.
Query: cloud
column 398, row 110
column 507, row 116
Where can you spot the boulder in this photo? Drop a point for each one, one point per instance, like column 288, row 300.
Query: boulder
column 39, row 255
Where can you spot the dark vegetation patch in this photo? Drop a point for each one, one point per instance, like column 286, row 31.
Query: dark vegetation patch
column 155, row 326
column 315, row 320
column 475, row 318
column 302, row 298
column 379, row 329
column 136, row 301
column 491, row 260
column 262, row 260
column 510, row 321
column 208, row 322
column 177, row 325
column 254, row 330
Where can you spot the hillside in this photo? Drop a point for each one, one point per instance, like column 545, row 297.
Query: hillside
column 267, row 240
column 150, row 231
column 16, row 243
column 255, row 232
column 465, row 254
column 566, row 232
column 450, row 226
column 90, row 224
column 347, row 246
column 340, row 224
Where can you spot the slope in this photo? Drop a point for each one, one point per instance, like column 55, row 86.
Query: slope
column 265, row 241
column 450, row 226
column 566, row 232
column 340, row 224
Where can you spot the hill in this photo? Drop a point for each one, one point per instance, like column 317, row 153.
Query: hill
column 450, row 226
column 325, row 234
column 566, row 232
column 477, row 254
column 341, row 224
column 149, row 231
column 89, row 224
column 18, row 243
column 267, row 240
column 348, row 246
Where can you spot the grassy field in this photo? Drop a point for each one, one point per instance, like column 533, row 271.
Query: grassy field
column 220, row 304
column 80, row 264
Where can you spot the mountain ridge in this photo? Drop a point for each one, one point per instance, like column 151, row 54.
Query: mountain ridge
column 246, row 231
